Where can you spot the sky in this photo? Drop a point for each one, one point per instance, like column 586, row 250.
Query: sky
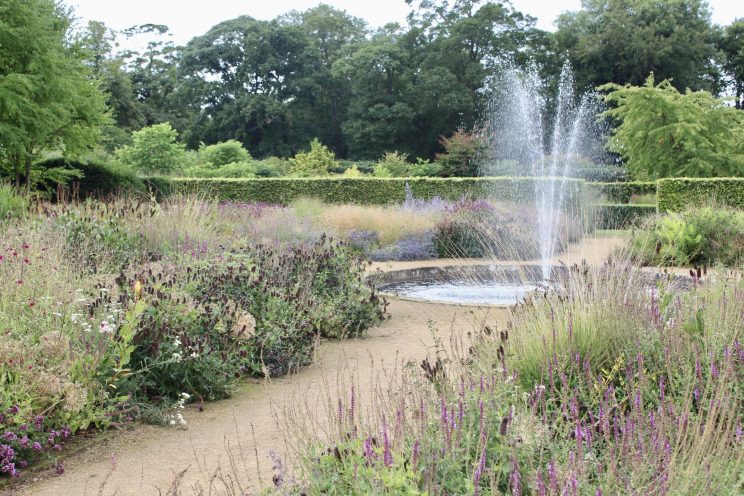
column 189, row 18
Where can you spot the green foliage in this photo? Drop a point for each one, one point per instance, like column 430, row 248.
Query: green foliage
column 458, row 158
column 364, row 190
column 396, row 164
column 701, row 236
column 664, row 133
column 380, row 172
column 732, row 46
column 621, row 41
column 352, row 171
column 48, row 98
column 12, row 205
column 622, row 192
column 614, row 216
column 154, row 149
column 678, row 194
column 92, row 178
column 97, row 241
column 315, row 162
column 220, row 154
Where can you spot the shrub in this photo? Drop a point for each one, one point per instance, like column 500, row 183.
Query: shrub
column 484, row 229
column 154, row 149
column 679, row 194
column 315, row 162
column 395, row 163
column 458, row 159
column 227, row 152
column 701, row 236
column 409, row 247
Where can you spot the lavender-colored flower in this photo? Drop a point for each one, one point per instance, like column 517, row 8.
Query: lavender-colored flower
column 369, row 452
column 415, row 454
column 387, row 455
column 515, row 478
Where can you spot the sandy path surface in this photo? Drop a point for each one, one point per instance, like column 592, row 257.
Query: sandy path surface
column 145, row 460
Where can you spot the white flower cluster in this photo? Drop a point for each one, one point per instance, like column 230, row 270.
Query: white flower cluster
column 176, row 418
column 107, row 325
column 178, row 355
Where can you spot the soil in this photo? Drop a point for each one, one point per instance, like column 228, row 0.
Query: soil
column 243, row 434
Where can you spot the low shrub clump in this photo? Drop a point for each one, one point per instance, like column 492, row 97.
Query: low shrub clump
column 702, row 236
column 615, row 384
column 479, row 228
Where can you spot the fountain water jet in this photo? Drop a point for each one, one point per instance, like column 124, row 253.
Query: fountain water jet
column 518, row 132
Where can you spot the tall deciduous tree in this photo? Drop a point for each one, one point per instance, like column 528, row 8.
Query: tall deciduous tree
column 621, row 41
column 732, row 46
column 48, row 98
column 665, row 133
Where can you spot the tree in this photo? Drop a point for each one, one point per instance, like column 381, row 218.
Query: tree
column 665, row 133
column 48, row 98
column 380, row 115
column 238, row 76
column 96, row 43
column 732, row 46
column 621, row 41
column 154, row 149
column 320, row 97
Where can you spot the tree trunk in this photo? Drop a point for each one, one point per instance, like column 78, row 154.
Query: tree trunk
column 28, row 174
column 17, row 170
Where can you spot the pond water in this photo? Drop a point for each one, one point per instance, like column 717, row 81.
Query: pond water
column 480, row 293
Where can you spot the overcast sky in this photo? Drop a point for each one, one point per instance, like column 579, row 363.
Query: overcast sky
column 189, row 18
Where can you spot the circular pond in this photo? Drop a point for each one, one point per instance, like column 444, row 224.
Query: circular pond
column 469, row 285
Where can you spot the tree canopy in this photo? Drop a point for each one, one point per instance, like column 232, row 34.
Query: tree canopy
column 665, row 133
column 48, row 96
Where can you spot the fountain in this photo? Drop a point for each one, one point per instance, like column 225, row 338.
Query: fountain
column 526, row 137
column 541, row 144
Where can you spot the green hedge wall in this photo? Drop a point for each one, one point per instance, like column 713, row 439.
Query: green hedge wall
column 370, row 191
column 618, row 216
column 680, row 193
column 621, row 192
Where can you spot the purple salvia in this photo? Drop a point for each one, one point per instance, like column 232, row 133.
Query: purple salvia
column 352, row 405
column 540, row 485
column 387, row 455
column 369, row 452
column 415, row 454
column 552, row 477
column 479, row 472
column 515, row 478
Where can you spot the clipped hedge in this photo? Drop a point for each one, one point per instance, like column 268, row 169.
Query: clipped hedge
column 365, row 191
column 680, row 193
column 621, row 192
column 99, row 179
column 619, row 216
